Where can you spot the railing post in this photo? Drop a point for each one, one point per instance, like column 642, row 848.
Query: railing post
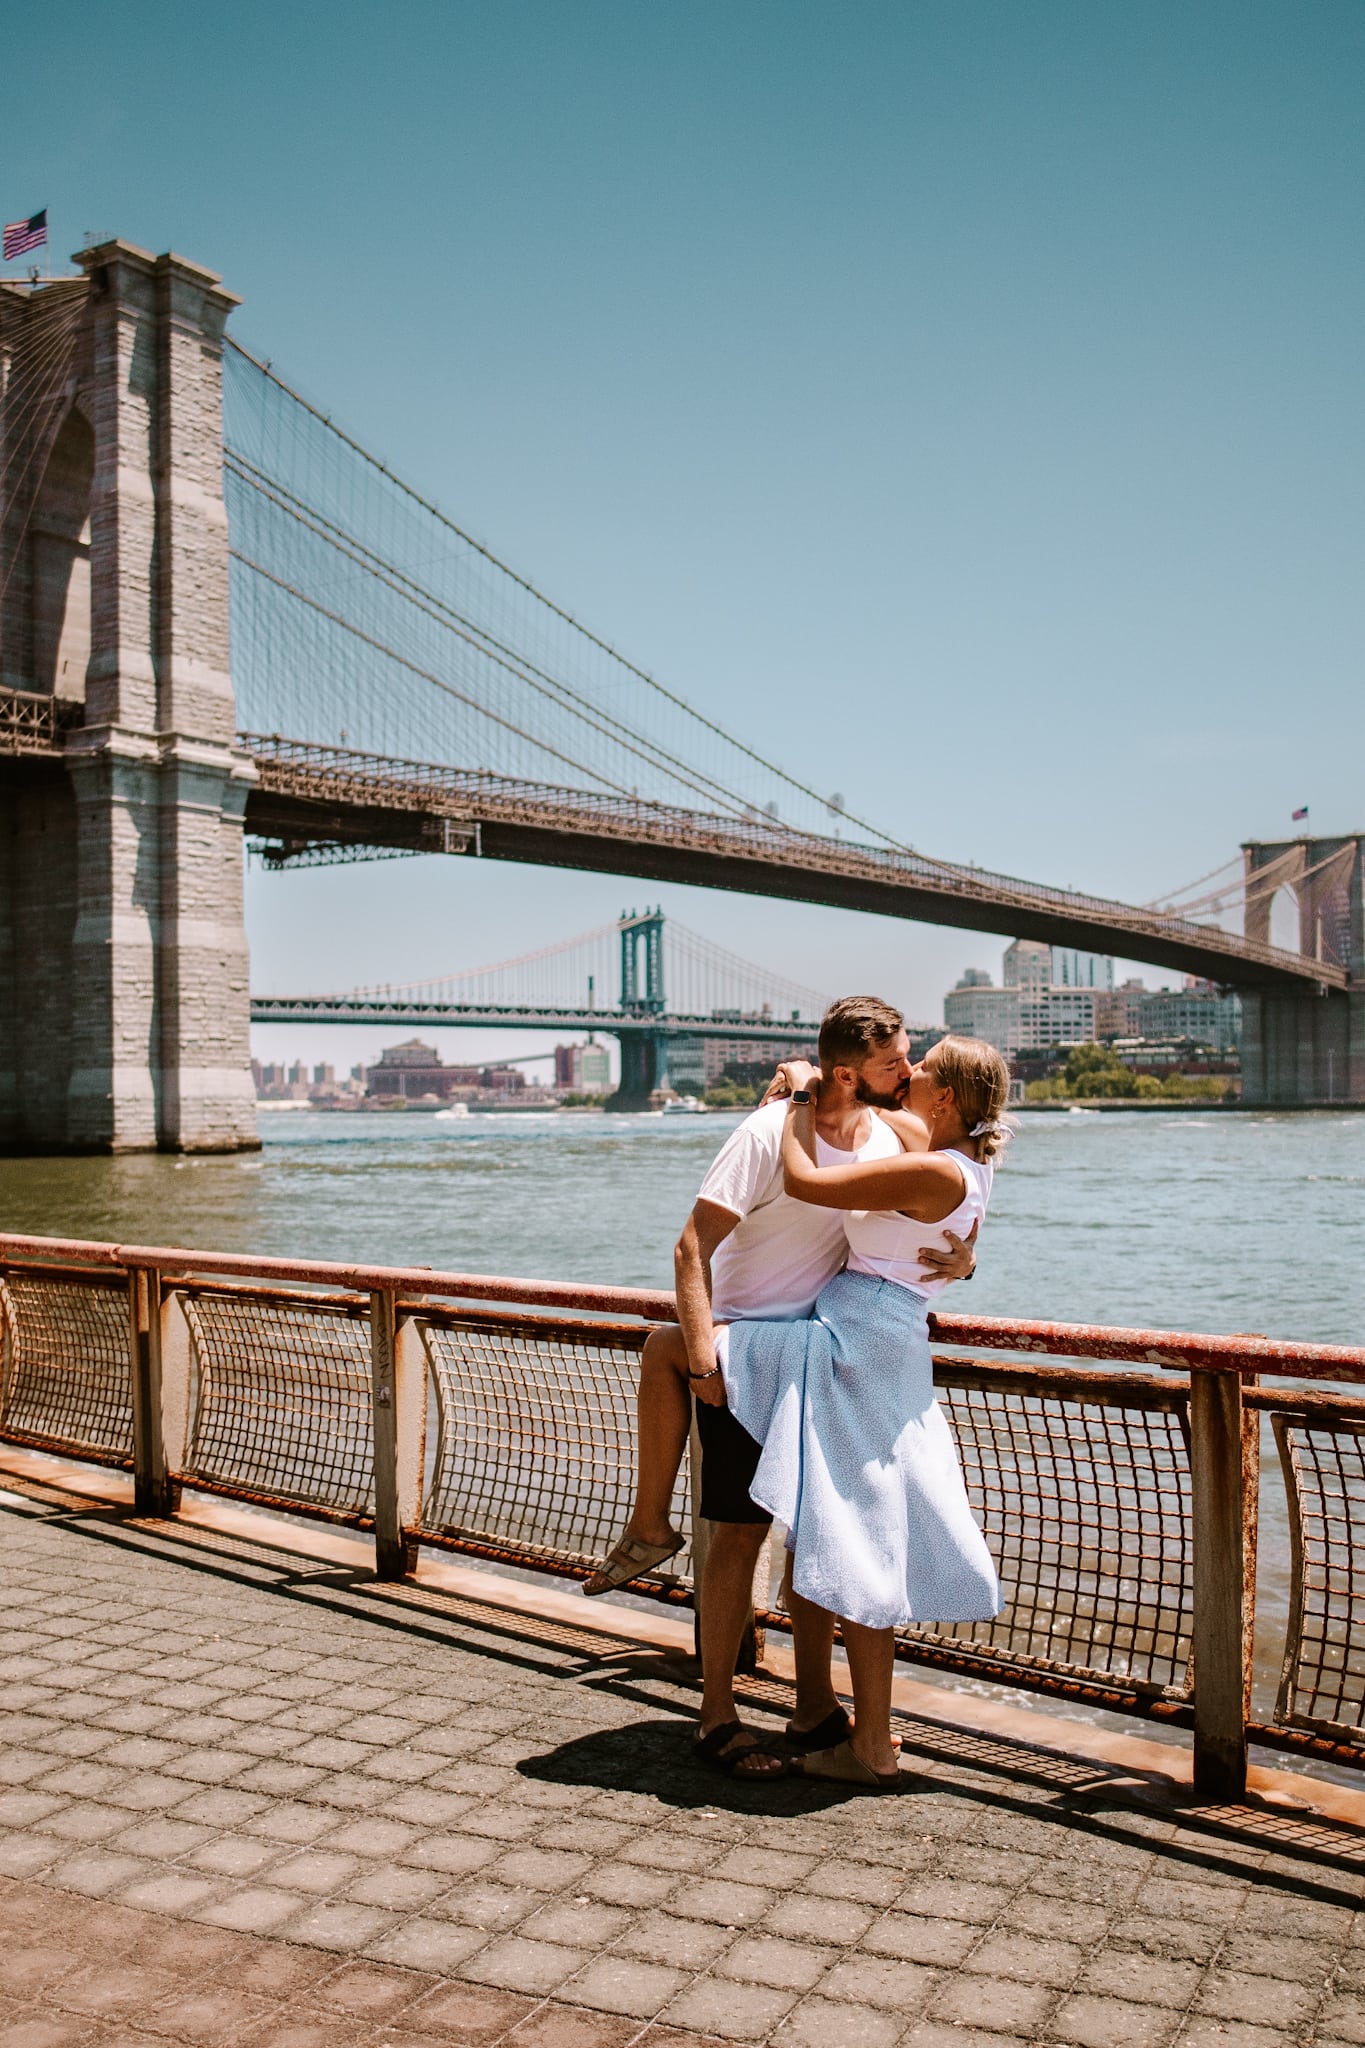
column 152, row 1489
column 389, row 1559
column 1223, row 1467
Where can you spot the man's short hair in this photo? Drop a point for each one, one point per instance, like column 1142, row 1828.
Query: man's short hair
column 853, row 1027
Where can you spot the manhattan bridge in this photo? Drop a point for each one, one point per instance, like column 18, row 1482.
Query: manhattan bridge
column 220, row 616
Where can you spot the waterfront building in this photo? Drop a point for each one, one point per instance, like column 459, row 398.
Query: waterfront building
column 1030, row 1011
column 410, row 1069
column 583, row 1069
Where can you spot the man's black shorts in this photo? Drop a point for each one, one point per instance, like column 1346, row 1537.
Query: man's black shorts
column 729, row 1460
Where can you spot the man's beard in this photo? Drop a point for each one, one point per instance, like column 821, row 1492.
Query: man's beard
column 878, row 1099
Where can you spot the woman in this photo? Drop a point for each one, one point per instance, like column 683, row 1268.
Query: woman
column 857, row 1459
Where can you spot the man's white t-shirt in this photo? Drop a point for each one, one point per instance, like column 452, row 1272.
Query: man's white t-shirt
column 781, row 1252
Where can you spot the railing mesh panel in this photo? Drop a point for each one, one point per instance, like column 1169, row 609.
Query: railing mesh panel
column 67, row 1380
column 1323, row 1688
column 281, row 1408
column 1086, row 1511
column 536, row 1443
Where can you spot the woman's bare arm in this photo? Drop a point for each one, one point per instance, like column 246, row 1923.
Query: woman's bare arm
column 925, row 1185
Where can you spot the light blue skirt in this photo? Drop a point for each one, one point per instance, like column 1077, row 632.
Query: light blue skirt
column 858, row 1460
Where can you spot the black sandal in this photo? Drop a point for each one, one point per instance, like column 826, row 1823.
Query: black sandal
column 824, row 1735
column 715, row 1752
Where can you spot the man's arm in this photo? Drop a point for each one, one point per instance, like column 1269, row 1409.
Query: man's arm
column 704, row 1231
column 959, row 1262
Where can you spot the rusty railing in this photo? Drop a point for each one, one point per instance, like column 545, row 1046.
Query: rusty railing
column 1116, row 1472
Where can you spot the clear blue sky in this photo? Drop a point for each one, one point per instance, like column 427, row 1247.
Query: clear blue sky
column 982, row 380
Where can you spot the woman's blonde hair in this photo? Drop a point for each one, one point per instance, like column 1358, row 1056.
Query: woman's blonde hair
column 980, row 1081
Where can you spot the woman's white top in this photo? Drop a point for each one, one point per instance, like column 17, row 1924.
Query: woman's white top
column 887, row 1244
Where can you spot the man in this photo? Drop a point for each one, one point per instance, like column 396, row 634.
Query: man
column 748, row 1250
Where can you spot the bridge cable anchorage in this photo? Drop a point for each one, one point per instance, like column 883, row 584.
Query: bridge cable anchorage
column 646, row 750
column 555, row 611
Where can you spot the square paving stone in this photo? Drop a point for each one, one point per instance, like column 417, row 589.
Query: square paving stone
column 624, row 1984
column 1203, row 2031
column 484, row 1903
column 24, row 1855
column 627, row 1884
column 818, row 2023
column 316, row 1870
column 255, row 1909
column 733, row 1905
column 993, row 2003
column 1140, row 1979
column 374, row 1836
column 233, row 1856
column 1261, row 2001
column 38, row 2031
column 956, row 1899
column 663, row 1851
column 436, row 1946
column 516, row 1964
column 677, row 1944
column 291, row 1821
column 98, row 1873
column 869, row 1883
column 86, row 1822
column 207, row 2015
column 582, row 1923
column 340, row 1924
column 913, row 1939
column 544, row 1870
column 456, row 1855
column 467, row 2014
column 767, row 1959
column 1113, row 2023
column 1027, row 1958
column 170, row 1891
column 812, row 1919
column 881, row 1981
column 737, row 2012
column 426, row 1808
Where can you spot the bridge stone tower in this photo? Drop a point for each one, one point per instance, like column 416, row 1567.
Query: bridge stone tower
column 123, row 958
column 1308, row 1050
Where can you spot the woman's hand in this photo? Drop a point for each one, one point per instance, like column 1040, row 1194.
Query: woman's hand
column 791, row 1075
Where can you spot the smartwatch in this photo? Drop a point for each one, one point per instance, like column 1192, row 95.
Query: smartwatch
column 802, row 1095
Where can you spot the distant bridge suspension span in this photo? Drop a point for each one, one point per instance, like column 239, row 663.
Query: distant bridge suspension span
column 641, row 979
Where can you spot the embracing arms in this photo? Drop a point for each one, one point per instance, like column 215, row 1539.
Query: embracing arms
column 925, row 1185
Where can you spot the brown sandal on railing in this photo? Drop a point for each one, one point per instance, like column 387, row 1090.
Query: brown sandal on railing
column 629, row 1560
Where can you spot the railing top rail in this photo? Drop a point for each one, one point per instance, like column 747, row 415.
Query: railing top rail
column 1173, row 1349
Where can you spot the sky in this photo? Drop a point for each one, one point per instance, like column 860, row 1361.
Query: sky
column 961, row 401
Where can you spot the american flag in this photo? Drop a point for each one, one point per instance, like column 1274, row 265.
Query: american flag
column 1296, row 815
column 23, row 235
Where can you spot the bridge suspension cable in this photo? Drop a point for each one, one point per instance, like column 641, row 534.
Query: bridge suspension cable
column 701, row 979
column 322, row 528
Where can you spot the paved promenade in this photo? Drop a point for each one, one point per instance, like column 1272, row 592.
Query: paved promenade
column 255, row 1800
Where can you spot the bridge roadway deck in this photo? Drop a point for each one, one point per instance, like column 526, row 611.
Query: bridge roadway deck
column 252, row 1798
column 308, row 795
column 396, row 1010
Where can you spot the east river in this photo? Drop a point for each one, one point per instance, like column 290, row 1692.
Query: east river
column 1213, row 1222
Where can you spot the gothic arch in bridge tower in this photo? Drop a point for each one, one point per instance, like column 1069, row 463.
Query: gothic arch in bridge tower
column 59, row 562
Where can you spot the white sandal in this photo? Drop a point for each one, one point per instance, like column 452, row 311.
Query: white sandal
column 630, row 1559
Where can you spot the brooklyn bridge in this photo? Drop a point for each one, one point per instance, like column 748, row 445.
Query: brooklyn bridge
column 222, row 618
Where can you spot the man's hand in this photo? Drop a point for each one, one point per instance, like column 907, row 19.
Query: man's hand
column 711, row 1389
column 959, row 1263
column 791, row 1075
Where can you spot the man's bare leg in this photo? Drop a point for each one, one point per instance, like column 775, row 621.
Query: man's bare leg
column 871, row 1654
column 727, row 1593
column 663, row 1409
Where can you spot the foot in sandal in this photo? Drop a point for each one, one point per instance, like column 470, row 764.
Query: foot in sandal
column 842, row 1765
column 630, row 1559
column 739, row 1752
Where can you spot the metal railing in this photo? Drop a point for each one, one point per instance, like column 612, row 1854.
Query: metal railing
column 495, row 1416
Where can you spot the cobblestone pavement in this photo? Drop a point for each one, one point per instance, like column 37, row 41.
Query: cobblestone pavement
column 253, row 1801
